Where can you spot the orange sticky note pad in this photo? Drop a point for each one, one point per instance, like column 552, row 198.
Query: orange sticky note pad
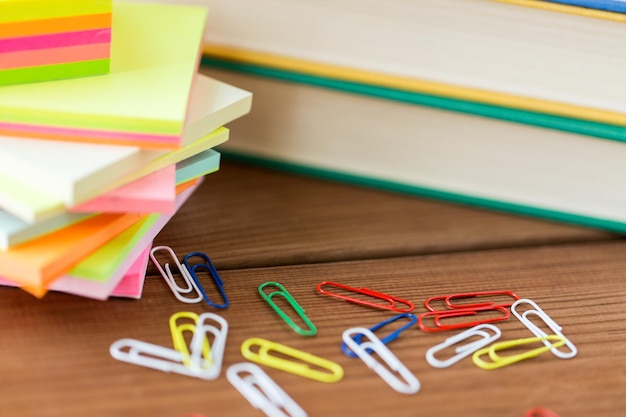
column 38, row 262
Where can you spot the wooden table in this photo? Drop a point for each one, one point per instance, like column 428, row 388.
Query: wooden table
column 260, row 226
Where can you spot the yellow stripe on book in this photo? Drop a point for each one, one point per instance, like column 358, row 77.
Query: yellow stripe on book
column 413, row 85
column 564, row 8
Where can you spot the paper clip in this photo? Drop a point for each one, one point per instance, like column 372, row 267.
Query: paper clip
column 169, row 278
column 193, row 364
column 537, row 311
column 282, row 292
column 387, row 339
column 153, row 356
column 262, row 392
column 540, row 412
column 439, row 315
column 465, row 350
column 212, row 368
column 500, row 361
column 331, row 372
column 178, row 338
column 389, row 299
column 208, row 266
column 478, row 294
column 409, row 385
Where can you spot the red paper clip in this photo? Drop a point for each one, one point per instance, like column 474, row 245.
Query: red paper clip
column 480, row 294
column 391, row 300
column 448, row 300
column 436, row 298
column 540, row 412
column 460, row 312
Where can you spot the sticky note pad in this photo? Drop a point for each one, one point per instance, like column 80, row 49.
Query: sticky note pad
column 40, row 261
column 14, row 231
column 129, row 286
column 142, row 101
column 44, row 40
column 97, row 275
column 156, row 192
column 82, row 171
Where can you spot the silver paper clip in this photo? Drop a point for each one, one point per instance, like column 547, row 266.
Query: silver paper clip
column 166, row 273
column 262, row 392
column 464, row 350
column 537, row 311
column 410, row 385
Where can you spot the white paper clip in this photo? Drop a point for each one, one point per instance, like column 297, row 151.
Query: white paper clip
column 193, row 364
column 177, row 290
column 410, row 385
column 262, row 392
column 537, row 311
column 464, row 350
column 153, row 356
column 197, row 362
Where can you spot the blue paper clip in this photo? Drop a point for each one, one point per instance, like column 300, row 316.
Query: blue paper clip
column 385, row 340
column 281, row 291
column 207, row 266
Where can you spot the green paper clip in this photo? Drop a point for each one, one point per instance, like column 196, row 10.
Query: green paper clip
column 281, row 291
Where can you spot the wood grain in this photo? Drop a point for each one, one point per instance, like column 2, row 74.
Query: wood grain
column 56, row 361
column 260, row 226
column 245, row 216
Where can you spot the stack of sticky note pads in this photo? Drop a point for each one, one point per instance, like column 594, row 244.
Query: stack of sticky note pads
column 44, row 40
column 93, row 167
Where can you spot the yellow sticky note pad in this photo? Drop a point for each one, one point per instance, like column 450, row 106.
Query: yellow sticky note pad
column 142, row 101
column 38, row 262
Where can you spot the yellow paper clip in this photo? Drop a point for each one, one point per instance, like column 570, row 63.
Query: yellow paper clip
column 331, row 371
column 500, row 361
column 178, row 336
column 190, row 360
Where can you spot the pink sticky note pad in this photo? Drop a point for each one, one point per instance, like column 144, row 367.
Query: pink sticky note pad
column 131, row 286
column 154, row 193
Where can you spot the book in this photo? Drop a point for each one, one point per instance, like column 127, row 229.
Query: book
column 80, row 171
column 430, row 152
column 617, row 6
column 143, row 99
column 513, row 54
